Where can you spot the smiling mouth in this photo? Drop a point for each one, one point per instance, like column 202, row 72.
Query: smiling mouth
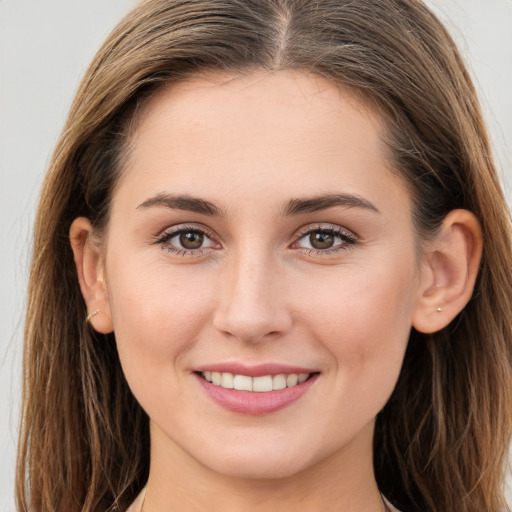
column 262, row 384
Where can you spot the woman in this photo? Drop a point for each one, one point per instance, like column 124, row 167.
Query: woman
column 272, row 269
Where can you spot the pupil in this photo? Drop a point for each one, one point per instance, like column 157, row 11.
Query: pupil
column 191, row 240
column 321, row 240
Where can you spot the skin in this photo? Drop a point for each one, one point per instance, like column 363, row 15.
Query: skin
column 256, row 292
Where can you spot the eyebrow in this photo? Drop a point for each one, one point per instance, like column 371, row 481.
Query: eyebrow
column 182, row 202
column 325, row 201
column 293, row 207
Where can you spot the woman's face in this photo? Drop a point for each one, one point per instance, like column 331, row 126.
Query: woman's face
column 258, row 233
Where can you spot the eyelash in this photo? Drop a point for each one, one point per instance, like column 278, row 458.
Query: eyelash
column 165, row 238
column 347, row 238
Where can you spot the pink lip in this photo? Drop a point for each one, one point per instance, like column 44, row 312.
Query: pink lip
column 255, row 370
column 255, row 403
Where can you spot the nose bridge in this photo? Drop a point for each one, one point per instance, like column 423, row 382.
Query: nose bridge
column 250, row 306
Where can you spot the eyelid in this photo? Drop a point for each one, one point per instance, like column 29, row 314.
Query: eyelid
column 185, row 226
column 333, row 228
column 164, row 237
column 348, row 237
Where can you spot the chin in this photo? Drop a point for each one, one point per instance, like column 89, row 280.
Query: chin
column 258, row 463
column 257, row 469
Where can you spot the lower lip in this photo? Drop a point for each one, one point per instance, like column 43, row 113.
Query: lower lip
column 253, row 402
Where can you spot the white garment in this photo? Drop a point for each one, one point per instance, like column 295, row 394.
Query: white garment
column 136, row 506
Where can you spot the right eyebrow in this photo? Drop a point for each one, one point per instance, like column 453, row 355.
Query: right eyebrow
column 182, row 202
column 325, row 201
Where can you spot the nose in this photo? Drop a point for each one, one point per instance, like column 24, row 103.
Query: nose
column 252, row 303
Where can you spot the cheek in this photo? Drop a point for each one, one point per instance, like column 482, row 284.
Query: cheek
column 158, row 314
column 364, row 325
column 363, row 316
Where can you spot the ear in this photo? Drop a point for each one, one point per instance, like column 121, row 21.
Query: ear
column 91, row 274
column 449, row 271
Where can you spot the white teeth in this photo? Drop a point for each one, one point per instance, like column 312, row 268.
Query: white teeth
column 242, row 383
column 292, row 380
column 227, row 381
column 261, row 384
column 279, row 381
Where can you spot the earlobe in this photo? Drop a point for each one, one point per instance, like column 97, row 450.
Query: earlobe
column 90, row 269
column 449, row 272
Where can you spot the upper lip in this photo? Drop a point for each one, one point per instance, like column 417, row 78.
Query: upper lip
column 254, row 370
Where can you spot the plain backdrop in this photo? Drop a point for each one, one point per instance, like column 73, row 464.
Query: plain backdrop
column 45, row 47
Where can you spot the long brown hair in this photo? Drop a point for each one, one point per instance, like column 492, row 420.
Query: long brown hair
column 441, row 441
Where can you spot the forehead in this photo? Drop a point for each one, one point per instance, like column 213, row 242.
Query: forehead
column 210, row 103
column 288, row 131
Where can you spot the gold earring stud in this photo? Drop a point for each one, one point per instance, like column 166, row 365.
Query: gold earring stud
column 90, row 315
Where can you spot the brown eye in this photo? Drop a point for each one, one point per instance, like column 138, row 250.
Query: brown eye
column 328, row 240
column 187, row 241
column 191, row 239
column 321, row 240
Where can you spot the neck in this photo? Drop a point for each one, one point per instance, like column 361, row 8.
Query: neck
column 344, row 481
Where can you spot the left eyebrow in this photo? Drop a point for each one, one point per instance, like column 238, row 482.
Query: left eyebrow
column 323, row 202
column 182, row 202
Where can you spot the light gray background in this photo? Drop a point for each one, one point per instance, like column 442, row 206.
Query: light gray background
column 45, row 47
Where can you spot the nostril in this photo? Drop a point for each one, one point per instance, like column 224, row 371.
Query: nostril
column 247, row 326
column 250, row 310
